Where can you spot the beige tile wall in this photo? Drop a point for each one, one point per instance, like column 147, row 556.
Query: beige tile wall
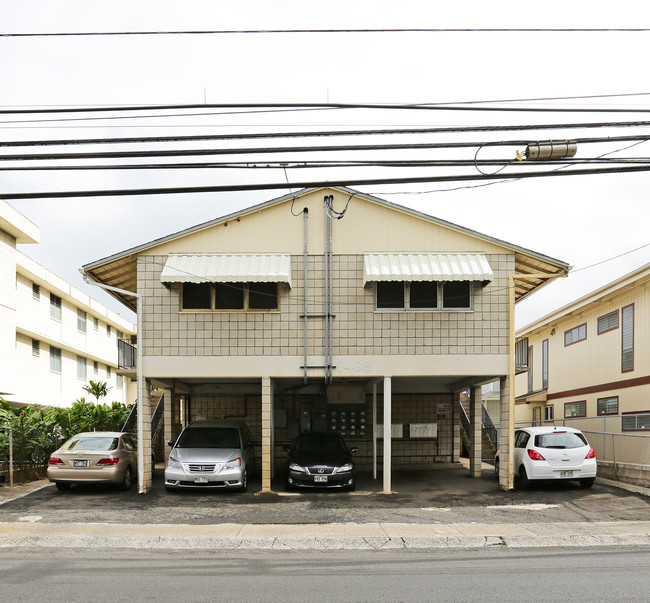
column 358, row 328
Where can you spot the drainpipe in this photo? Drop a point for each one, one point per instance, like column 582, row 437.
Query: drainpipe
column 326, row 266
column 305, row 213
column 139, row 371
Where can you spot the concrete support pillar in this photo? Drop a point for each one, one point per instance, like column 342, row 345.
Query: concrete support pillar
column 475, row 427
column 456, row 439
column 144, row 439
column 168, row 420
column 387, row 432
column 267, row 435
column 506, row 436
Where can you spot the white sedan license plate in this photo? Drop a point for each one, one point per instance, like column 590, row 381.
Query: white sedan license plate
column 76, row 463
column 320, row 479
column 201, row 479
column 566, row 473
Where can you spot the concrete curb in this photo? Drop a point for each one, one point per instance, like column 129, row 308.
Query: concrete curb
column 321, row 537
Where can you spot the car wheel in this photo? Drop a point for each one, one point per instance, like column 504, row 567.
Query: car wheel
column 62, row 486
column 496, row 468
column 244, row 482
column 587, row 483
column 524, row 482
column 126, row 481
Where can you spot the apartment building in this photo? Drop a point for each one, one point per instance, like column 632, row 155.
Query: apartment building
column 329, row 310
column 54, row 338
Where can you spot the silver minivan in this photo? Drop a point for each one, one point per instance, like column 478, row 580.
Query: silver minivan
column 211, row 454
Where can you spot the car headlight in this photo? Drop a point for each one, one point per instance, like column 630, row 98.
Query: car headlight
column 343, row 468
column 297, row 467
column 173, row 463
column 233, row 464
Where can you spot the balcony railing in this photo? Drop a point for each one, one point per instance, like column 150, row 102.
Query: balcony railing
column 126, row 355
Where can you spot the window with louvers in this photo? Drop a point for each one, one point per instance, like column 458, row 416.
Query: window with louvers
column 627, row 347
column 609, row 322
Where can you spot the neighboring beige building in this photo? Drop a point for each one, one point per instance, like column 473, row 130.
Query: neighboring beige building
column 590, row 358
column 401, row 312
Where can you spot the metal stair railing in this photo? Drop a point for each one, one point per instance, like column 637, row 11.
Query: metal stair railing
column 489, row 428
column 156, row 419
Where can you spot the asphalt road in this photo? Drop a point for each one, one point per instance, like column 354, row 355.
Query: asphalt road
column 441, row 496
column 481, row 575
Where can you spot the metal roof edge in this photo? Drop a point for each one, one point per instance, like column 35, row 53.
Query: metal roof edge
column 302, row 192
column 585, row 300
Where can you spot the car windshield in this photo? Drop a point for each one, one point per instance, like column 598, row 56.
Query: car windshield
column 324, row 444
column 209, row 437
column 91, row 443
column 560, row 439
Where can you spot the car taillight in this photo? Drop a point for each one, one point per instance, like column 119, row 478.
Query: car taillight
column 591, row 454
column 535, row 456
column 108, row 461
column 54, row 461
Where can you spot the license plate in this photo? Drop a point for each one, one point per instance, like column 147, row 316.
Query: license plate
column 76, row 463
column 320, row 479
column 566, row 473
column 201, row 479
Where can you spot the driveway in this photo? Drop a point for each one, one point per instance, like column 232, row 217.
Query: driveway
column 441, row 496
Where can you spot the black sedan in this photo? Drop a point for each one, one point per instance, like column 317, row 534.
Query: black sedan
column 320, row 460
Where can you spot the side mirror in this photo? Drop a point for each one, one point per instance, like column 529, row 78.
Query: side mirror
column 353, row 450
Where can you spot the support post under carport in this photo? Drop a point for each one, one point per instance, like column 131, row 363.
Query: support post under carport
column 387, row 434
column 476, row 435
column 267, row 436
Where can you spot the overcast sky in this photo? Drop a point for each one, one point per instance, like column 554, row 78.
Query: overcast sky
column 582, row 220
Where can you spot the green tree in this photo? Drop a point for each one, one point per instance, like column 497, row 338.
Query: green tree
column 99, row 389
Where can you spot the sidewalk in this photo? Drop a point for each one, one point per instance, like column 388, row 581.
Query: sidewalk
column 320, row 537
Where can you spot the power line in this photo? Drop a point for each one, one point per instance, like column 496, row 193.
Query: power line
column 313, row 184
column 322, row 133
column 194, row 32
column 244, row 108
column 298, row 149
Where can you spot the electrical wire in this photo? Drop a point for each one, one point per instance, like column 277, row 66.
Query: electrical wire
column 321, row 133
column 308, row 184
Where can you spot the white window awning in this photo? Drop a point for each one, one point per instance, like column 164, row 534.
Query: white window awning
column 469, row 266
column 227, row 268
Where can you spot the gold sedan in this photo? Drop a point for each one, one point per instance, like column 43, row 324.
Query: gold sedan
column 101, row 457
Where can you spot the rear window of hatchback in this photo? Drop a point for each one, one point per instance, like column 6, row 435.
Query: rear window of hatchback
column 560, row 439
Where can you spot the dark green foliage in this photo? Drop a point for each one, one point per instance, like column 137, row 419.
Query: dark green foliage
column 37, row 432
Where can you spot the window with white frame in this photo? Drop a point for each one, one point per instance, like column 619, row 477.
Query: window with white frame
column 108, row 372
column 81, row 367
column 96, row 323
column 548, row 413
column 55, row 359
column 119, row 381
column 575, row 335
column 96, row 367
column 108, row 330
column 81, row 321
column 423, row 295
column 55, row 306
column 36, row 291
column 36, row 347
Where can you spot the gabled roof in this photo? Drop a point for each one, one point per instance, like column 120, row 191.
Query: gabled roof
column 627, row 280
column 119, row 270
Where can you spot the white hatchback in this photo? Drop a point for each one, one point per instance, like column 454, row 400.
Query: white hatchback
column 552, row 453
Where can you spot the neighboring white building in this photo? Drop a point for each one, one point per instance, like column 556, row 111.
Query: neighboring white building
column 53, row 338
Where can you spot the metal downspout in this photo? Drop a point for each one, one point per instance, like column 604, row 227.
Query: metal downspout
column 329, row 301
column 305, row 212
column 326, row 285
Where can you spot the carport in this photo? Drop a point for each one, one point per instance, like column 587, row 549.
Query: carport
column 397, row 423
